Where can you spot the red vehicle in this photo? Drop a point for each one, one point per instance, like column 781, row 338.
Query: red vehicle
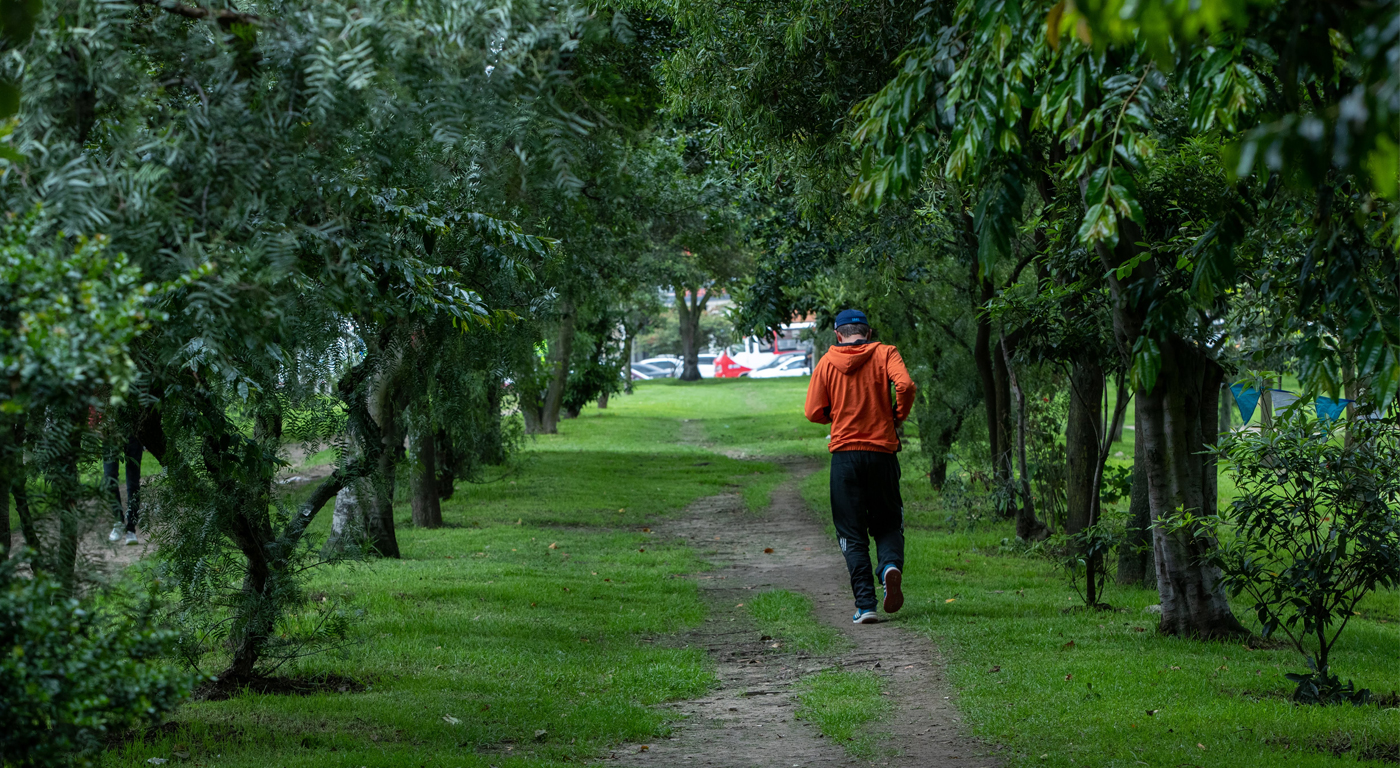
column 755, row 352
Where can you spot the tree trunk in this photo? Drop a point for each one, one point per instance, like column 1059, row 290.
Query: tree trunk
column 1171, row 444
column 1266, row 406
column 1135, row 561
column 347, row 521
column 1083, row 432
column 1175, row 419
column 561, row 353
column 1226, row 407
column 627, row 361
column 11, row 453
column 1003, row 460
column 423, row 484
column 1121, row 413
column 982, row 358
column 534, row 417
column 64, row 484
column 603, row 402
column 1028, row 526
column 1087, row 448
column 19, row 488
column 380, row 521
column 938, row 472
column 689, row 316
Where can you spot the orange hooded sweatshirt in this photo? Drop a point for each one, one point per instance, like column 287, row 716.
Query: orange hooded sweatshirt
column 850, row 390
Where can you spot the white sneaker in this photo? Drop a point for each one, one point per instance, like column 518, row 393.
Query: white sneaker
column 894, row 596
column 117, row 531
column 131, row 539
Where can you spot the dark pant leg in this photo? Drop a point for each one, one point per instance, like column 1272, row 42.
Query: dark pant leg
column 848, row 514
column 133, row 483
column 110, row 480
column 885, row 511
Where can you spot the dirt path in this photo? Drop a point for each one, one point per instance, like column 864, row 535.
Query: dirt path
column 748, row 721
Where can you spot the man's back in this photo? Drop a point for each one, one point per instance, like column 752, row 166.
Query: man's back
column 850, row 391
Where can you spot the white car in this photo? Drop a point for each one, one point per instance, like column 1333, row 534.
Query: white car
column 671, row 365
column 783, row 365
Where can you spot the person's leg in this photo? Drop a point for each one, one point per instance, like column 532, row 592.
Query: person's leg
column 133, row 483
column 110, row 471
column 886, row 515
column 848, row 515
column 886, row 511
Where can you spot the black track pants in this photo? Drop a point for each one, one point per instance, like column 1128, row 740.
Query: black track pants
column 865, row 503
column 110, row 468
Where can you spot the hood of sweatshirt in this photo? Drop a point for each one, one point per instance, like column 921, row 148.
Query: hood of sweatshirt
column 852, row 358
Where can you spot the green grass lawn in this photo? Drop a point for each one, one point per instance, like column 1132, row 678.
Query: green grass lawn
column 485, row 635
column 530, row 612
column 1006, row 624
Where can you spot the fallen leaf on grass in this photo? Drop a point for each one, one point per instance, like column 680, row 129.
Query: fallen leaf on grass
column 644, row 748
column 157, row 761
column 767, row 550
column 485, row 707
column 541, row 734
column 1068, row 677
column 1067, row 646
column 949, row 600
column 1200, row 745
column 994, row 669
column 641, row 549
column 1152, row 712
column 450, row 720
column 740, row 605
column 1176, row 667
column 646, row 530
column 595, row 573
column 554, row 545
column 1139, row 629
column 566, row 589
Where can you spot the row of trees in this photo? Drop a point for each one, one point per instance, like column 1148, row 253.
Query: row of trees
column 1091, row 202
column 379, row 227
column 239, row 233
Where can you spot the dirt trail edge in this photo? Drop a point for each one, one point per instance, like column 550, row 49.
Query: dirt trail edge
column 749, row 720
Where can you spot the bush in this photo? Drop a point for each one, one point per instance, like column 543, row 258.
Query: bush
column 70, row 676
column 1315, row 530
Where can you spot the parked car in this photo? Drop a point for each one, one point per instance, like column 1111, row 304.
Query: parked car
column 707, row 365
column 784, row 365
column 646, row 372
column 670, row 365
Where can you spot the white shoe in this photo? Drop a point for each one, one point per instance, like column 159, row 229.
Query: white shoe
column 864, row 617
column 117, row 531
column 131, row 539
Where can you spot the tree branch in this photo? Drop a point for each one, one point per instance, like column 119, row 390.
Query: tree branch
column 224, row 16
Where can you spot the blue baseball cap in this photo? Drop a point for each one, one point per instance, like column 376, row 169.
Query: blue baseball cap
column 848, row 316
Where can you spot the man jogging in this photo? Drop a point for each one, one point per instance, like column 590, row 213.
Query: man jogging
column 850, row 390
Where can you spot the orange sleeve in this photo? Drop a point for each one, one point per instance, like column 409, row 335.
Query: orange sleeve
column 904, row 388
column 818, row 399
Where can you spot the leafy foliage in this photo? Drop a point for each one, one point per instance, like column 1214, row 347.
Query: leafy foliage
column 73, row 675
column 1316, row 527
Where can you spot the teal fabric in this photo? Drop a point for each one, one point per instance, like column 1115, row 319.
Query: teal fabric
column 1246, row 399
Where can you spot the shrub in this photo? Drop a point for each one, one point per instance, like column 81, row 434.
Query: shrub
column 71, row 676
column 1315, row 530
